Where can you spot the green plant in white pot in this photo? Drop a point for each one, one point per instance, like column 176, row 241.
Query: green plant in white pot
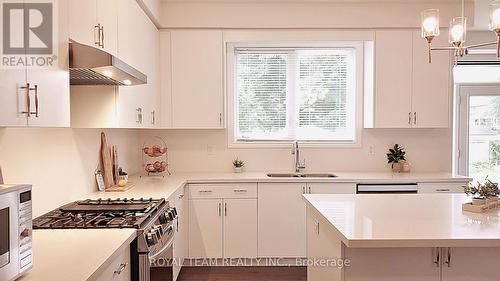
column 483, row 193
column 397, row 158
column 238, row 165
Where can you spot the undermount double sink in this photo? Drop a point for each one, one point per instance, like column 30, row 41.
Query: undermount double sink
column 301, row 175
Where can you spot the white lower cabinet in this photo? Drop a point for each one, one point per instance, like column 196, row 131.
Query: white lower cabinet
column 439, row 187
column 331, row 188
column 466, row 264
column 180, row 246
column 282, row 220
column 223, row 221
column 118, row 269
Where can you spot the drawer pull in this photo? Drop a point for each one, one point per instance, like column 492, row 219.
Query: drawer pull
column 205, row 191
column 121, row 268
column 240, row 190
column 442, row 189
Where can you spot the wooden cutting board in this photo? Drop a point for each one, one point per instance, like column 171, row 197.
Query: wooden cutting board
column 107, row 165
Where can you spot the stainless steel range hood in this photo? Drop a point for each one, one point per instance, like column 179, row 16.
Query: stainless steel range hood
column 92, row 66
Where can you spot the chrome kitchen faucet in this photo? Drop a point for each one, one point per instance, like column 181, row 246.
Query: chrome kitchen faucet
column 296, row 152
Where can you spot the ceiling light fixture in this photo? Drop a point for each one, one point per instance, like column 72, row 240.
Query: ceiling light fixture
column 458, row 31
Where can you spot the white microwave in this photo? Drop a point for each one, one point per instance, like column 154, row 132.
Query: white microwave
column 15, row 231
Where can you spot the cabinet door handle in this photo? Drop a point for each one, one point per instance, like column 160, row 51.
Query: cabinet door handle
column 121, row 268
column 153, row 119
column 97, row 34
column 442, row 190
column 303, row 190
column 101, row 30
column 36, row 101
column 205, row 191
column 138, row 119
column 225, row 209
column 409, row 118
column 181, row 196
column 220, row 119
column 415, row 118
column 219, row 209
column 240, row 190
column 310, row 190
column 448, row 257
column 28, row 100
column 437, row 258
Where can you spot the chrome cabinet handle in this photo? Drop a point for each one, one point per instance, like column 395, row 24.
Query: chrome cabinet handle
column 139, row 115
column 225, row 209
column 310, row 190
column 415, row 118
column 442, row 189
column 101, row 32
column 153, row 119
column 240, row 190
column 28, row 100
column 205, row 191
column 220, row 119
column 121, row 268
column 97, row 31
column 448, row 257
column 438, row 257
column 409, row 118
column 36, row 101
column 219, row 209
column 303, row 190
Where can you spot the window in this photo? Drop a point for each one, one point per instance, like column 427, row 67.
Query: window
column 283, row 93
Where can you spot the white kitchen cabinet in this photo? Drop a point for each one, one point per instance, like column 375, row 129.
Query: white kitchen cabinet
column 240, row 228
column 94, row 23
column 431, row 98
column 197, row 79
column 180, row 246
column 223, row 220
column 47, row 98
column 410, row 92
column 118, row 269
column 459, row 264
column 205, row 228
column 393, row 79
column 282, row 220
column 441, row 187
column 331, row 188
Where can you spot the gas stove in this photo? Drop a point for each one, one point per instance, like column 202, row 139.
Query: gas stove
column 102, row 213
column 156, row 223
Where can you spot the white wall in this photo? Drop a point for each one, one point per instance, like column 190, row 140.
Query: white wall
column 207, row 151
column 60, row 163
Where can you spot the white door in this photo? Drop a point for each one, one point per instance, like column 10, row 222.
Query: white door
column 205, row 228
column 82, row 22
column 197, row 79
column 180, row 243
column 393, row 79
column 240, row 228
column 107, row 17
column 431, row 95
column 478, row 135
column 52, row 83
column 282, row 220
column 466, row 264
column 331, row 188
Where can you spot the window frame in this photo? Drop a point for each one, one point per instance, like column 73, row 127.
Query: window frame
column 231, row 95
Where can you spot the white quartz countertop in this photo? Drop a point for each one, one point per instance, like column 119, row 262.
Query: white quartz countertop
column 405, row 220
column 163, row 187
column 75, row 254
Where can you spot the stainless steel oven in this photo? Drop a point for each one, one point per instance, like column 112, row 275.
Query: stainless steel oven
column 15, row 231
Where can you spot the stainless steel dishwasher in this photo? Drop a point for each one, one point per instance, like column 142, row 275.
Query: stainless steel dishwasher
column 386, row 188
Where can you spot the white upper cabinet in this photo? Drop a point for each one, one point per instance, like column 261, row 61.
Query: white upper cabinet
column 38, row 96
column 393, row 76
column 431, row 98
column 94, row 23
column 197, row 79
column 410, row 92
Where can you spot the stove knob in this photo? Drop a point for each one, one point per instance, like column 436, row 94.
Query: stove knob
column 171, row 215
column 151, row 239
column 163, row 218
column 158, row 230
column 174, row 210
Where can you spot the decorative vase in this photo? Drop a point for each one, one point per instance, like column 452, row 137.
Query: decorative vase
column 397, row 167
column 238, row 169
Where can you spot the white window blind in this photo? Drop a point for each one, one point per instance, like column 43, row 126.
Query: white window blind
column 295, row 94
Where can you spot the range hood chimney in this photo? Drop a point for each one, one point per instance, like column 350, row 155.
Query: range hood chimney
column 92, row 66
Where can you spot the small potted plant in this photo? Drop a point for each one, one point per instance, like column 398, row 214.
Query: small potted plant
column 397, row 158
column 483, row 193
column 238, row 165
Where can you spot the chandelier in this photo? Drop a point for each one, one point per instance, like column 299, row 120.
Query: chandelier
column 458, row 31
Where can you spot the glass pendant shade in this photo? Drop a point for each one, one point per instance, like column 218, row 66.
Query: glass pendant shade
column 458, row 31
column 495, row 16
column 430, row 23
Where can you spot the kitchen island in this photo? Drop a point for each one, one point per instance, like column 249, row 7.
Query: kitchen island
column 411, row 237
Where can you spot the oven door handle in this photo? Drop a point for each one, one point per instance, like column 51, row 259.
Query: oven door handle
column 165, row 247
